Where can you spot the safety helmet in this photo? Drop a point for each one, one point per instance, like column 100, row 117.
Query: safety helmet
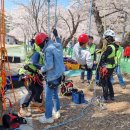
column 83, row 38
column 40, row 38
column 109, row 33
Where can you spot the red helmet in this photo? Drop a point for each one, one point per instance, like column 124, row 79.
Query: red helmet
column 83, row 38
column 40, row 38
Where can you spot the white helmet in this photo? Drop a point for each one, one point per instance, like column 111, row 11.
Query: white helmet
column 109, row 33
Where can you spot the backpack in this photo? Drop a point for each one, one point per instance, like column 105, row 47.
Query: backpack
column 66, row 88
column 12, row 121
column 78, row 97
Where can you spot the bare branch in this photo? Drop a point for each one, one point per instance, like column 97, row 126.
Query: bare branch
column 72, row 17
column 66, row 21
column 110, row 13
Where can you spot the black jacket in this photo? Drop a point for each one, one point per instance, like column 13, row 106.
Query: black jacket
column 104, row 58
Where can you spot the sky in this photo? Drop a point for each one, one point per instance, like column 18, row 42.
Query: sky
column 9, row 4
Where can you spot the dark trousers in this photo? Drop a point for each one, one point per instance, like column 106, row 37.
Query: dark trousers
column 107, row 85
column 34, row 93
column 89, row 74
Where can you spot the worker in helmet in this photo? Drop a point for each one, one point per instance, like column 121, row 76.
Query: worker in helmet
column 127, row 53
column 92, row 49
column 107, row 65
column 81, row 54
column 118, row 57
column 54, row 69
column 33, row 63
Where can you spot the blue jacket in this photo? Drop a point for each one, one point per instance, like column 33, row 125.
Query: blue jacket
column 54, row 64
column 35, row 60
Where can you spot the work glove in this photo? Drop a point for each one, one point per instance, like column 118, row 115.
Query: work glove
column 55, row 32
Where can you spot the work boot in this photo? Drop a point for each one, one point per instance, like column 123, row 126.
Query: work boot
column 43, row 119
column 112, row 98
column 82, row 80
column 105, row 100
column 36, row 104
column 88, row 82
column 24, row 112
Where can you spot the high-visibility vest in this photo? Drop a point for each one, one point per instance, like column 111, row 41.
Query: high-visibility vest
column 28, row 57
column 92, row 50
column 111, row 56
column 36, row 48
column 118, row 55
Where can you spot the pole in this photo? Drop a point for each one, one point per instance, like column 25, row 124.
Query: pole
column 78, row 5
column 48, row 17
column 104, row 15
column 55, row 13
column 124, row 27
column 90, row 22
column 2, row 49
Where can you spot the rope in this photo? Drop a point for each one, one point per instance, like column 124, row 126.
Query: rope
column 82, row 114
column 4, row 73
column 55, row 13
column 48, row 17
column 90, row 20
column 36, row 78
column 91, row 102
column 104, row 15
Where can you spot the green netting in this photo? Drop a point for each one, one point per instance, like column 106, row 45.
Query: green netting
column 68, row 52
column 125, row 66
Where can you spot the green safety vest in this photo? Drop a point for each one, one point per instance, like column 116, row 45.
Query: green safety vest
column 36, row 48
column 118, row 55
column 92, row 50
column 41, row 62
column 28, row 57
column 112, row 55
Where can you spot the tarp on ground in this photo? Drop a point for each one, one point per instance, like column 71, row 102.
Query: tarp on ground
column 125, row 68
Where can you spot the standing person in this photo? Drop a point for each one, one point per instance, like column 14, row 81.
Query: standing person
column 54, row 69
column 92, row 48
column 33, row 62
column 81, row 54
column 117, row 61
column 107, row 65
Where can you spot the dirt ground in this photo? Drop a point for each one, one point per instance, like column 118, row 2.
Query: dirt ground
column 112, row 116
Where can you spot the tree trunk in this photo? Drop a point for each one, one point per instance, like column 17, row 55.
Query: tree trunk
column 25, row 46
column 124, row 27
column 71, row 35
column 98, row 19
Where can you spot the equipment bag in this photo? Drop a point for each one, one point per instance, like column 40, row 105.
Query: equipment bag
column 66, row 88
column 12, row 121
column 78, row 97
